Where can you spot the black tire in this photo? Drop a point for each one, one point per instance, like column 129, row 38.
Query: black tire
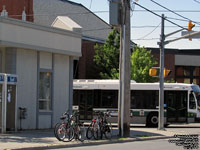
column 64, row 133
column 80, row 132
column 96, row 133
column 89, row 132
column 55, row 130
column 152, row 120
column 108, row 131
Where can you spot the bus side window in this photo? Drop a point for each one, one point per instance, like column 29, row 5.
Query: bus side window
column 192, row 104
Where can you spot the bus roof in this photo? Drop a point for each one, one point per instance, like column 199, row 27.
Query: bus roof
column 114, row 85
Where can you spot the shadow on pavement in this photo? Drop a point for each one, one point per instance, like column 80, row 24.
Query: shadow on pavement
column 138, row 133
column 33, row 136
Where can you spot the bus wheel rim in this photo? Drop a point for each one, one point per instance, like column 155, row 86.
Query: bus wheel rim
column 154, row 119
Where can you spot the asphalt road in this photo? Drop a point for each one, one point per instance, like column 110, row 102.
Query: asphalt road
column 137, row 145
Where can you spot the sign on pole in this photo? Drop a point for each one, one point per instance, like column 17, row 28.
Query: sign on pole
column 184, row 33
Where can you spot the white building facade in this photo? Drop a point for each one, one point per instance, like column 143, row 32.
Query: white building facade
column 42, row 58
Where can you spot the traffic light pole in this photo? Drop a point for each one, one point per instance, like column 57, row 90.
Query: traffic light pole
column 161, row 91
column 162, row 44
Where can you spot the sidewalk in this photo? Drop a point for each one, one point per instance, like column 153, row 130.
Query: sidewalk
column 44, row 139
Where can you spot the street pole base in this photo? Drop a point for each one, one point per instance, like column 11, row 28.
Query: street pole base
column 161, row 129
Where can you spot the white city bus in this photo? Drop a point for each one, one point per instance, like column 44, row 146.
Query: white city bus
column 181, row 101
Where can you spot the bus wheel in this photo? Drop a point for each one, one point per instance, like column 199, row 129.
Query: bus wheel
column 152, row 120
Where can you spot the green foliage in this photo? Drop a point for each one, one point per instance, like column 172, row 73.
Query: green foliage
column 107, row 56
column 141, row 62
column 107, row 59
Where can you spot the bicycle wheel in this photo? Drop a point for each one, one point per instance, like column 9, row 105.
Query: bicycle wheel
column 89, row 132
column 108, row 131
column 65, row 134
column 80, row 132
column 96, row 131
column 55, row 130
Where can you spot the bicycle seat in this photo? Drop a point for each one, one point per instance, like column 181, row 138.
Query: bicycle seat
column 62, row 117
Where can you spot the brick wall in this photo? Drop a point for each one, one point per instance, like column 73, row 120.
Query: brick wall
column 86, row 66
column 168, row 64
column 16, row 7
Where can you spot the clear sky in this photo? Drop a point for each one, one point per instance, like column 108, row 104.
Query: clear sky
column 145, row 27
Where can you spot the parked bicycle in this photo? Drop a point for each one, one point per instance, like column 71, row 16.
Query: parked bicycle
column 63, row 131
column 70, row 128
column 93, row 130
column 100, row 127
column 106, row 127
column 78, row 127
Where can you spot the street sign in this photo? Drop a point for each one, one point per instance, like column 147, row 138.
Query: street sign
column 183, row 33
column 1, row 77
column 12, row 78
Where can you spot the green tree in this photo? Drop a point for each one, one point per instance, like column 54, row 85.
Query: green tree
column 107, row 60
column 107, row 56
column 141, row 62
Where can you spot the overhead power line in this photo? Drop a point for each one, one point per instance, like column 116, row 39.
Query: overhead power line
column 174, row 12
column 153, row 26
column 159, row 16
column 197, row 1
column 150, row 32
column 184, row 11
column 149, row 39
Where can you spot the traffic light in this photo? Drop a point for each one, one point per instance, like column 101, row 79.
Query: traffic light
column 190, row 26
column 153, row 72
column 167, row 72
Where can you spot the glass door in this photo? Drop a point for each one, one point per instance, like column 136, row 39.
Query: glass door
column 11, row 106
column 86, row 104
column 176, row 106
column 0, row 106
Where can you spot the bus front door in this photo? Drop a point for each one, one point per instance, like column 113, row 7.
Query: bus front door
column 0, row 106
column 176, row 106
column 86, row 104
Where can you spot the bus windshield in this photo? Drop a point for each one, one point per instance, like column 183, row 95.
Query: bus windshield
column 196, row 90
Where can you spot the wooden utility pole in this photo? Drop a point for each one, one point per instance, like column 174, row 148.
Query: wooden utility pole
column 124, row 89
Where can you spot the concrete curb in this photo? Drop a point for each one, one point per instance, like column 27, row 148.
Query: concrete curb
column 92, row 143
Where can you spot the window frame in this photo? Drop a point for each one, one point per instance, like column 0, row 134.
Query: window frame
column 50, row 100
column 192, row 77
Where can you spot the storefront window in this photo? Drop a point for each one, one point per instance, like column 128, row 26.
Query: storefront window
column 187, row 80
column 196, row 71
column 188, row 74
column 186, row 71
column 196, row 81
column 45, row 91
column 179, row 71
